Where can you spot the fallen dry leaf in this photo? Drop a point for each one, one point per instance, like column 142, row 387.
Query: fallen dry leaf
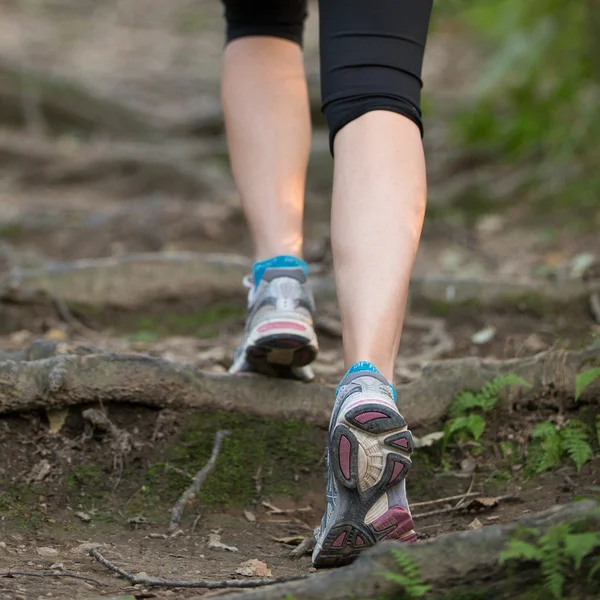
column 475, row 524
column 254, row 568
column 56, row 419
column 39, row 471
column 56, row 335
column 428, row 440
column 250, row 516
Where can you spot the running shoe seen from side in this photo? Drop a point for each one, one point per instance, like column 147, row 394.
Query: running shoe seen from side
column 368, row 459
column 279, row 338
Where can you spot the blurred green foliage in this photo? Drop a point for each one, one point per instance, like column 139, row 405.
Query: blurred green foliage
column 537, row 99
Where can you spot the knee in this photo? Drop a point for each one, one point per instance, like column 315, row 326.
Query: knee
column 277, row 18
column 371, row 59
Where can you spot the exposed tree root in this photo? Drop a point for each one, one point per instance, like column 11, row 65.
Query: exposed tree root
column 66, row 102
column 84, row 376
column 180, row 167
column 58, row 101
column 137, row 279
column 178, row 583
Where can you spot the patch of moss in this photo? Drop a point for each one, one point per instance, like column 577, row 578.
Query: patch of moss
column 204, row 323
column 85, row 478
column 286, row 453
column 10, row 231
column 19, row 506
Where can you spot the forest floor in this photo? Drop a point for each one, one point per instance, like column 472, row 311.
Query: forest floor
column 85, row 192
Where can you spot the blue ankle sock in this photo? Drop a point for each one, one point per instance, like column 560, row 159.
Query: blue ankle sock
column 277, row 262
column 365, row 365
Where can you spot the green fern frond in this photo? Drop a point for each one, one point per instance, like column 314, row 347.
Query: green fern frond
column 559, row 551
column 554, row 563
column 409, row 576
column 476, row 426
column 580, row 545
column 486, row 398
column 544, row 430
column 519, row 549
column 585, row 378
column 575, row 442
column 548, row 452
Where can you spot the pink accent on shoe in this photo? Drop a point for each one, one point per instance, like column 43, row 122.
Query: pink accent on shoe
column 344, row 456
column 339, row 540
column 393, row 524
column 358, row 541
column 282, row 325
column 370, row 416
column 402, row 442
column 398, row 468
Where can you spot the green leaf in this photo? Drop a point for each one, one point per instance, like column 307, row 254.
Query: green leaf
column 585, row 378
column 519, row 549
column 544, row 430
column 575, row 442
column 476, row 426
column 579, row 545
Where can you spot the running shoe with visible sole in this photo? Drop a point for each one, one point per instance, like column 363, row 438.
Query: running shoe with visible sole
column 279, row 338
column 368, row 459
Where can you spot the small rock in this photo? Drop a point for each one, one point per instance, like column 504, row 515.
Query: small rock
column 254, row 568
column 490, row 224
column 214, row 541
column 3, row 545
column 581, row 263
column 84, row 516
column 535, row 343
column 250, row 516
column 142, row 575
column 58, row 566
column 484, row 336
column 468, row 465
column 44, row 551
column 475, row 524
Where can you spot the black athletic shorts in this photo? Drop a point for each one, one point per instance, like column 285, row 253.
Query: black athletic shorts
column 371, row 50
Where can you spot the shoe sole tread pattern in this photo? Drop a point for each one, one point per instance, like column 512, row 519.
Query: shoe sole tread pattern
column 281, row 345
column 350, row 535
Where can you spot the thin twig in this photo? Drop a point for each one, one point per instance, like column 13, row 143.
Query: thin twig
column 448, row 499
column 191, row 492
column 174, row 583
column 465, row 496
column 69, row 575
column 451, row 509
column 284, row 511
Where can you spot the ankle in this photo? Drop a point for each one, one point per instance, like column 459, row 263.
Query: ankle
column 385, row 368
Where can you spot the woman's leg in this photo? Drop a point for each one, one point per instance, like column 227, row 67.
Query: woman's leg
column 371, row 58
column 372, row 55
column 265, row 101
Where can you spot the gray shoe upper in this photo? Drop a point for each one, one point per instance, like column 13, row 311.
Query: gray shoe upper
column 285, row 290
